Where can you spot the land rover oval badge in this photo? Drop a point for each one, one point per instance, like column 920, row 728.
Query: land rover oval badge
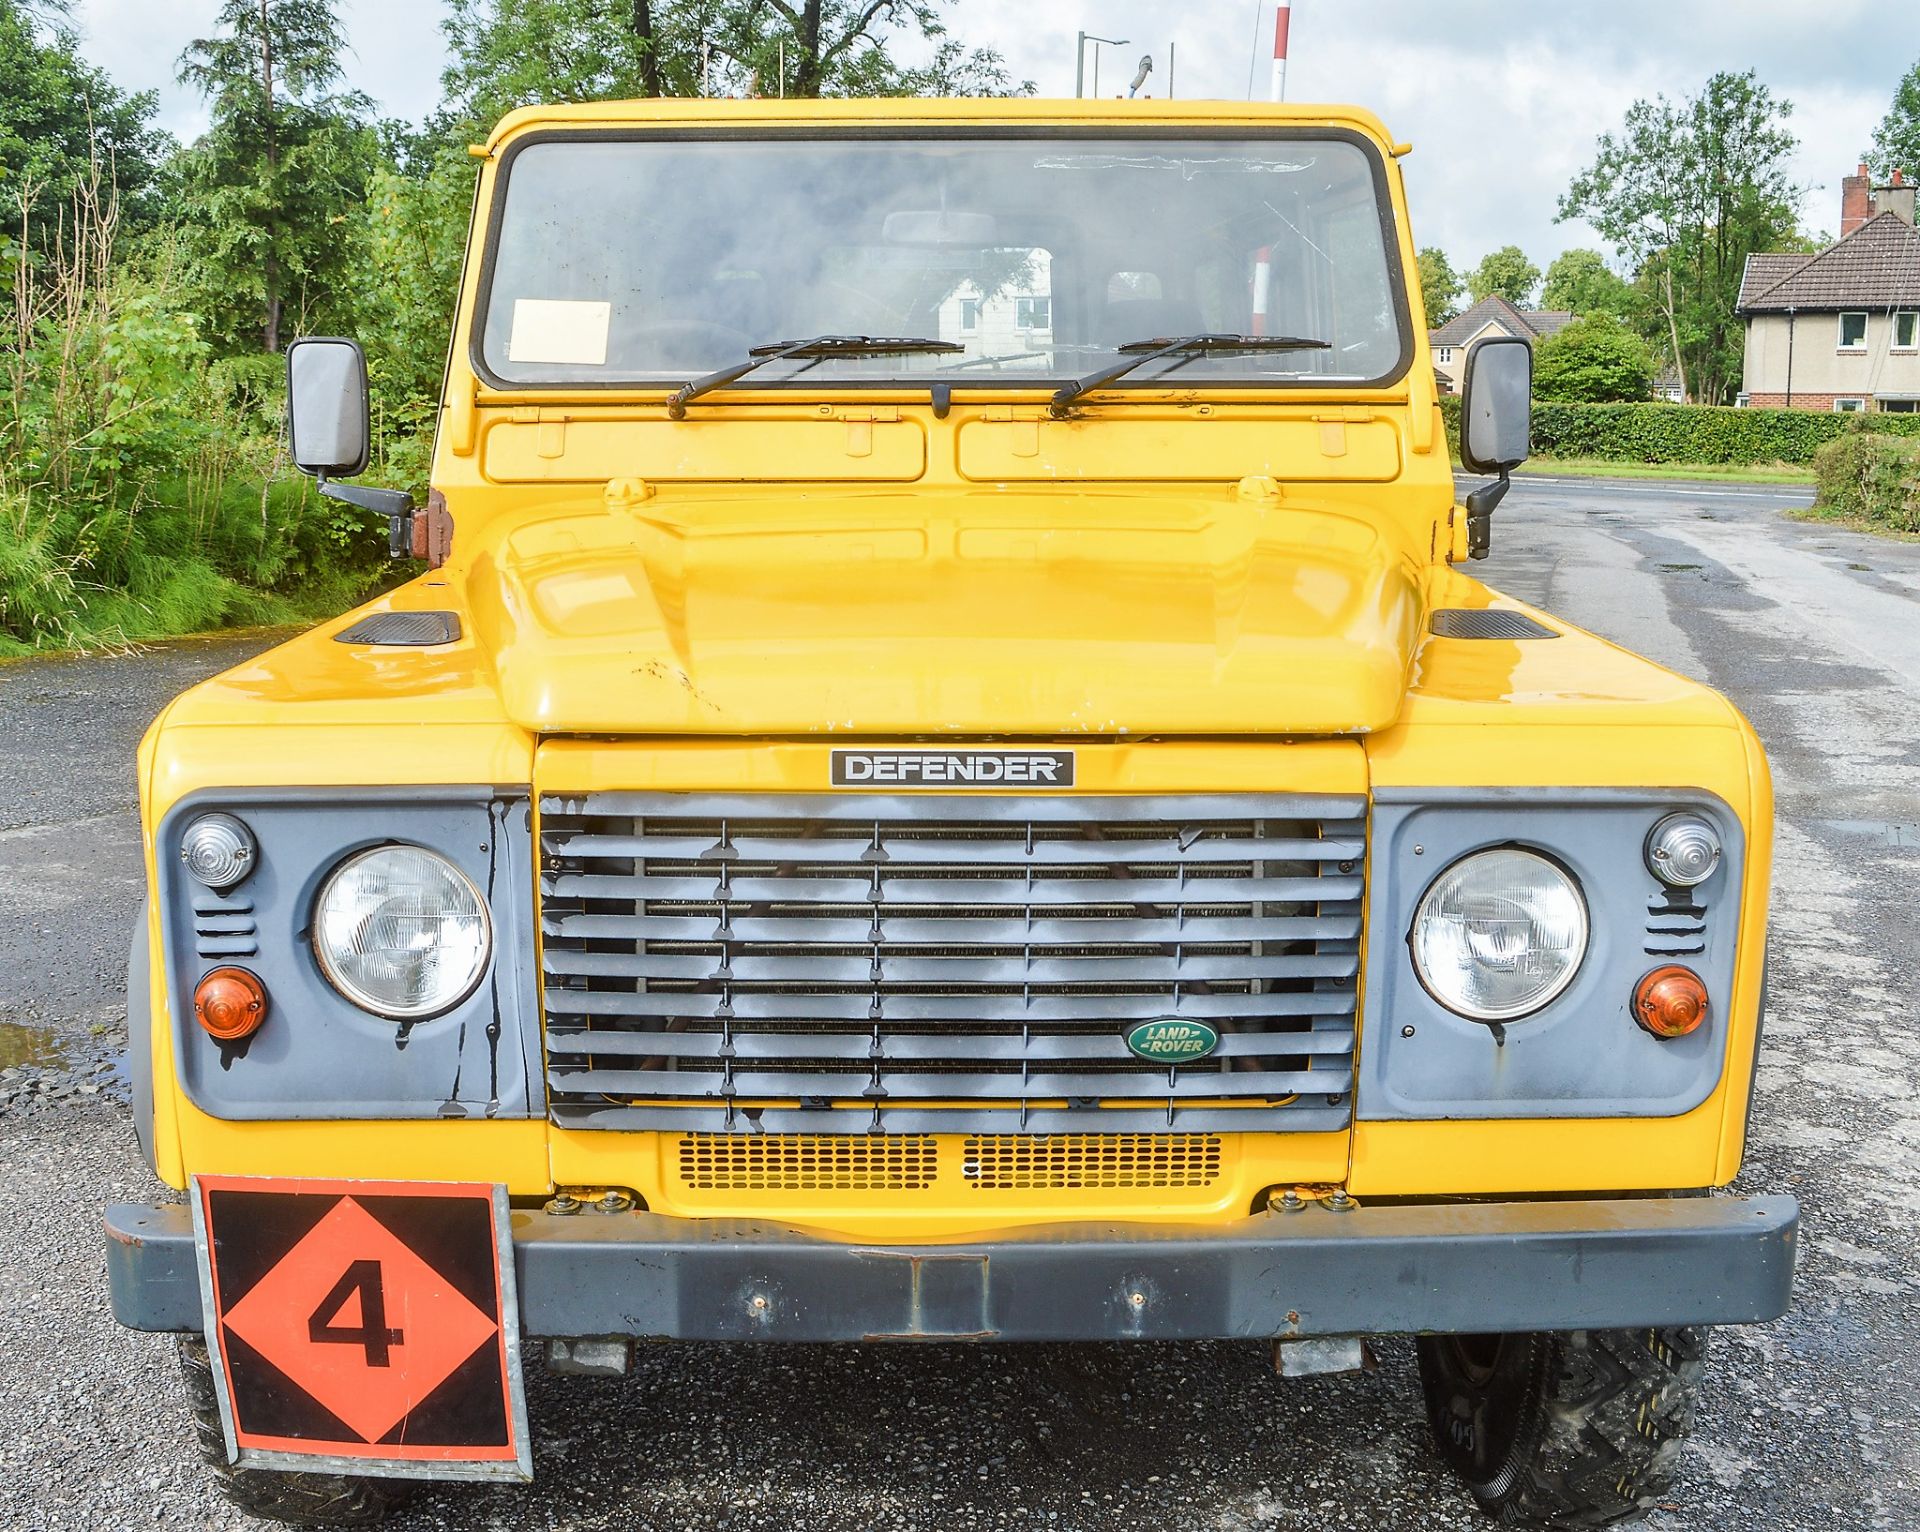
column 1172, row 1042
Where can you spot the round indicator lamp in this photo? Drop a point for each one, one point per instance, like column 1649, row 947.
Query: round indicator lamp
column 219, row 850
column 1670, row 1002
column 1683, row 850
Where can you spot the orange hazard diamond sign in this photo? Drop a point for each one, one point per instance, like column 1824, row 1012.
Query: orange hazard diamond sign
column 366, row 1321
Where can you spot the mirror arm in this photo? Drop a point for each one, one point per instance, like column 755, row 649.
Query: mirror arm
column 394, row 504
column 1480, row 507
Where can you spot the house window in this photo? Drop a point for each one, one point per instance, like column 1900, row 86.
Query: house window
column 1742, row 402
column 1906, row 331
column 1445, row 354
column 969, row 315
column 1899, row 406
column 1033, row 313
column 1853, row 331
column 1849, row 406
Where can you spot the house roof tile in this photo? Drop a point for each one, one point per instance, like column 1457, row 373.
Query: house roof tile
column 1875, row 267
column 1528, row 324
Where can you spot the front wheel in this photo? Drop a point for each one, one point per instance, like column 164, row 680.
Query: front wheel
column 304, row 1499
column 1580, row 1429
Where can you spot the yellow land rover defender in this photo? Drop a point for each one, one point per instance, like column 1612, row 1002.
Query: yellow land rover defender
column 946, row 779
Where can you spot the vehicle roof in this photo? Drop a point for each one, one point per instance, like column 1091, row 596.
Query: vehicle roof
column 973, row 111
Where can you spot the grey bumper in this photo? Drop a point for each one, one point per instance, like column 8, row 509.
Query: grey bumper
column 1372, row 1270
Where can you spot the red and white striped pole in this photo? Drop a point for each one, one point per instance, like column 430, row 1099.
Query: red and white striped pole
column 1282, row 24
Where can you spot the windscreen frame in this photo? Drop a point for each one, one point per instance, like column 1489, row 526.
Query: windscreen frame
column 1390, row 234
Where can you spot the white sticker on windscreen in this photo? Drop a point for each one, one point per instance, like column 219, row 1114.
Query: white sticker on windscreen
column 559, row 331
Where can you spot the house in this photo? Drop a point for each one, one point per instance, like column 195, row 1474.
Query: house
column 1014, row 318
column 1840, row 330
column 1490, row 316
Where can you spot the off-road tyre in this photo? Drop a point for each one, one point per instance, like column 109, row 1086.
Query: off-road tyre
column 303, row 1499
column 1564, row 1430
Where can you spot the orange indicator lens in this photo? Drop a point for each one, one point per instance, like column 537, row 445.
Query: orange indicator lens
column 230, row 1003
column 1670, row 1002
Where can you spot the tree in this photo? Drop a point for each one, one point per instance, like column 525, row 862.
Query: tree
column 1896, row 142
column 1687, row 192
column 283, row 165
column 509, row 53
column 1593, row 361
column 58, row 115
column 1505, row 273
column 1441, row 284
column 1581, row 282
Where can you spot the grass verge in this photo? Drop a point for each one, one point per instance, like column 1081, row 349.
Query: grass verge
column 1829, row 517
column 1732, row 473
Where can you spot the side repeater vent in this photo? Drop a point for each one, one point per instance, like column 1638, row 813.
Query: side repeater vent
column 1476, row 622
column 419, row 630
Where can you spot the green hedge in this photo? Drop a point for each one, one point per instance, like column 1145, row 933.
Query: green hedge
column 1688, row 433
column 1871, row 476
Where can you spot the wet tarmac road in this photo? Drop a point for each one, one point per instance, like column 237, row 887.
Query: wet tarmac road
column 1810, row 1422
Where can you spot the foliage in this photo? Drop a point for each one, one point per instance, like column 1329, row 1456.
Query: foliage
column 1505, row 273
column 283, row 166
column 1872, row 476
column 57, row 113
column 1581, row 282
column 509, row 53
column 1896, row 142
column 1696, row 433
column 1441, row 284
column 1597, row 360
column 1687, row 192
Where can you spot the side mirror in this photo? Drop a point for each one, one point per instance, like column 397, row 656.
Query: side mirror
column 1496, row 427
column 327, row 411
column 1496, row 405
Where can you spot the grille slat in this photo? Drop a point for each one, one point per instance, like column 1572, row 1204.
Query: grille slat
column 910, row 1047
column 861, row 965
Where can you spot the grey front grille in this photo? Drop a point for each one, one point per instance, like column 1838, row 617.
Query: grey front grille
column 851, row 964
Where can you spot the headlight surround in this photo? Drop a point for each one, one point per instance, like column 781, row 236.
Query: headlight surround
column 1499, row 934
column 401, row 932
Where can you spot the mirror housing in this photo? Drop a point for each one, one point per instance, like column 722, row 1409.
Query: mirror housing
column 329, row 424
column 1496, row 405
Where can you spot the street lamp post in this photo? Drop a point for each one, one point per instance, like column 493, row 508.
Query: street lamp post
column 1080, row 61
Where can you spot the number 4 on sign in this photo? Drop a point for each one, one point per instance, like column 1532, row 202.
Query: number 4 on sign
column 371, row 1334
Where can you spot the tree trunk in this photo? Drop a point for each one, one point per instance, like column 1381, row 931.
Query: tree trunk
column 272, row 335
column 806, row 68
column 1673, row 328
column 649, row 48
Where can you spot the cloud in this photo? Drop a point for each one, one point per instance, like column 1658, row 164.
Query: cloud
column 1503, row 99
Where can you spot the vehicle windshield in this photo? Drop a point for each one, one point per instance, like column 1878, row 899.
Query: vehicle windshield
column 651, row 261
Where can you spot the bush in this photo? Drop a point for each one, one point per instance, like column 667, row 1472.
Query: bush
column 1596, row 360
column 1872, row 476
column 1687, row 433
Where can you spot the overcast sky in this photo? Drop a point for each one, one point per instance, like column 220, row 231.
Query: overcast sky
column 1502, row 98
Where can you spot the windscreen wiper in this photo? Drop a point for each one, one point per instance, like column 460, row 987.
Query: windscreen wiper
column 818, row 348
column 1137, row 353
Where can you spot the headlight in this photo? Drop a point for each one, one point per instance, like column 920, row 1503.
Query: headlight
column 219, row 850
column 401, row 932
column 1683, row 850
column 1499, row 934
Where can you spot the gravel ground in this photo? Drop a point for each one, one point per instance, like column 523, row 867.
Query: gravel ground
column 1813, row 1421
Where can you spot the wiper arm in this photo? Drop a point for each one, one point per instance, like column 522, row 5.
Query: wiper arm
column 1137, row 353
column 817, row 348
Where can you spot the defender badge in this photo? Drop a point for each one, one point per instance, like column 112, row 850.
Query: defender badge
column 962, row 769
column 1172, row 1042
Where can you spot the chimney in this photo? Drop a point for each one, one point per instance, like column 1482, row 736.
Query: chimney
column 1897, row 199
column 1856, row 201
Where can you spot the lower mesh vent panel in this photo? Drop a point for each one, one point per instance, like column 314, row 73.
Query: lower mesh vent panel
column 803, row 1162
column 1009, row 1162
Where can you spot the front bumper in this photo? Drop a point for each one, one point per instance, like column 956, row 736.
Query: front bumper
column 1461, row 1268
